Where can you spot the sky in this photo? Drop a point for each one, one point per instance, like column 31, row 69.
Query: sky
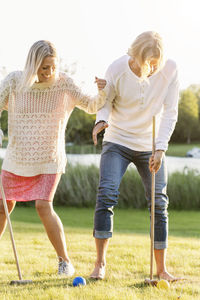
column 91, row 34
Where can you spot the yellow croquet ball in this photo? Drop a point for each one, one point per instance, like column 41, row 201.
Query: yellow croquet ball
column 163, row 284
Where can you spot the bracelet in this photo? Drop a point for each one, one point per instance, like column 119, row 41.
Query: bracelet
column 100, row 122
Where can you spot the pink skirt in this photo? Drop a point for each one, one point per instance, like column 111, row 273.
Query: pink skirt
column 20, row 188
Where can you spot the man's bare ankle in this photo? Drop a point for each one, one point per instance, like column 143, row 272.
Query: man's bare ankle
column 165, row 275
column 100, row 264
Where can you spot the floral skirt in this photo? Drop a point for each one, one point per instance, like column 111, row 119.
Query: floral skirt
column 20, row 188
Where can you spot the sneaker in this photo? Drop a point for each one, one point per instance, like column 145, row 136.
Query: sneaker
column 65, row 268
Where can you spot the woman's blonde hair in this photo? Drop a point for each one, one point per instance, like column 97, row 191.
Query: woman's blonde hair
column 148, row 45
column 36, row 55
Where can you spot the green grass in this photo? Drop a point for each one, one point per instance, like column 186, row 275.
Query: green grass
column 173, row 150
column 5, row 142
column 78, row 187
column 180, row 149
column 127, row 259
column 83, row 149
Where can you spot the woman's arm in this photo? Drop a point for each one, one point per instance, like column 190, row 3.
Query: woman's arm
column 4, row 95
column 87, row 103
column 4, row 92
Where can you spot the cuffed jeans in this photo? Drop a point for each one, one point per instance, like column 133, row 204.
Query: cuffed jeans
column 115, row 159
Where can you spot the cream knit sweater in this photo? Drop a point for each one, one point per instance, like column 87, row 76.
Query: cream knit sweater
column 37, row 119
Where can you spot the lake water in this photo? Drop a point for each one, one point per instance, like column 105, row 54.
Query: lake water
column 173, row 163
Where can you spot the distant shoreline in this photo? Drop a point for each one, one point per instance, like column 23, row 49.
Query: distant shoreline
column 173, row 163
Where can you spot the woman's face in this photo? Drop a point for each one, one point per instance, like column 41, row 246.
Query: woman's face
column 153, row 63
column 47, row 69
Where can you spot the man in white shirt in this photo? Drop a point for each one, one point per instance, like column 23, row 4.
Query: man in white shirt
column 140, row 85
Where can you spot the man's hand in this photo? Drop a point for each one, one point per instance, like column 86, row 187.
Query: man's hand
column 155, row 161
column 98, row 128
column 101, row 83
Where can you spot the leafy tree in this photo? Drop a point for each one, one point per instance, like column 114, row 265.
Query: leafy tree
column 188, row 119
column 4, row 122
column 79, row 128
column 195, row 88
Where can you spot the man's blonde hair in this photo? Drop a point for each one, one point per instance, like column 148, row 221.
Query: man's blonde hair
column 148, row 45
column 36, row 55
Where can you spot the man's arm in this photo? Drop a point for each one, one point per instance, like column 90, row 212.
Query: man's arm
column 167, row 123
column 169, row 114
column 103, row 114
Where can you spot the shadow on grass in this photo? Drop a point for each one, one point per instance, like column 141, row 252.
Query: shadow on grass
column 138, row 285
column 46, row 284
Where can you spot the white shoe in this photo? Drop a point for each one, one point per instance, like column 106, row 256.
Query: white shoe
column 65, row 268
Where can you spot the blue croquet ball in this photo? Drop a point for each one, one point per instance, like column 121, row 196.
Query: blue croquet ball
column 79, row 281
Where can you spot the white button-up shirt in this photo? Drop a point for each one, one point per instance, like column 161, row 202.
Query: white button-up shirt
column 132, row 103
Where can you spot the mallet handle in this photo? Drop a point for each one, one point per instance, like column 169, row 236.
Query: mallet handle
column 152, row 201
column 10, row 228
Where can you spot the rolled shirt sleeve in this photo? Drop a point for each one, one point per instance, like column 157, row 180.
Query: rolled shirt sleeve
column 169, row 115
column 104, row 112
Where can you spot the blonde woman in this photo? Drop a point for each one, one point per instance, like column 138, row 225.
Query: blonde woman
column 140, row 85
column 39, row 101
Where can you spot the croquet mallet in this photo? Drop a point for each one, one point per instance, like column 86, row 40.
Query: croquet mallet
column 20, row 281
column 152, row 281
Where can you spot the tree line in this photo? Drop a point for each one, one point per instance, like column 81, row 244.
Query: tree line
column 187, row 130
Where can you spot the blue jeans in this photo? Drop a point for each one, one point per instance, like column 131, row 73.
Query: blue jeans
column 115, row 159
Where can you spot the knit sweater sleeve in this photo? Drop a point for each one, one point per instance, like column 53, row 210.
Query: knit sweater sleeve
column 4, row 91
column 5, row 86
column 85, row 102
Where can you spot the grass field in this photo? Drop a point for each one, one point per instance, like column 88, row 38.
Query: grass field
column 173, row 150
column 180, row 149
column 127, row 259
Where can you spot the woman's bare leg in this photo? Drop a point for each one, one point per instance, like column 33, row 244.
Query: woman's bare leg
column 53, row 227
column 3, row 220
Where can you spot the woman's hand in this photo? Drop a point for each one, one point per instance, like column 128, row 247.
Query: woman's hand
column 155, row 161
column 101, row 83
column 98, row 128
